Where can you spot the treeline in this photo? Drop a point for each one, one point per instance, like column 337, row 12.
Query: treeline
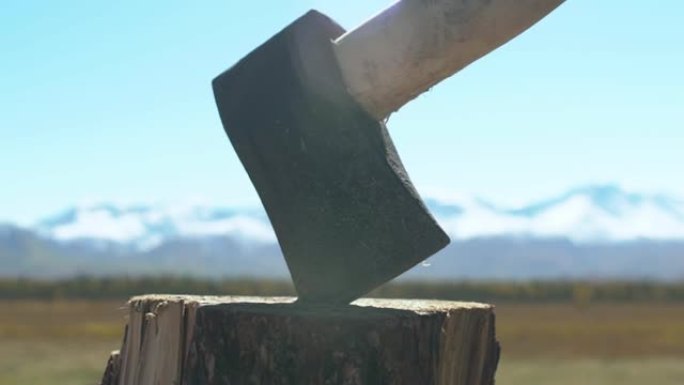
column 578, row 292
column 564, row 291
column 124, row 287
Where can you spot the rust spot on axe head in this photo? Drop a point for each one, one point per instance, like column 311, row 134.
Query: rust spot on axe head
column 343, row 208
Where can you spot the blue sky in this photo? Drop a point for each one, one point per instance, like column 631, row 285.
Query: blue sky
column 111, row 101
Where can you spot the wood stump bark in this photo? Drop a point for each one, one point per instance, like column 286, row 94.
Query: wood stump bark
column 189, row 340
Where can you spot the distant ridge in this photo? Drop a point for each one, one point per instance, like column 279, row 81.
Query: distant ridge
column 594, row 214
column 591, row 231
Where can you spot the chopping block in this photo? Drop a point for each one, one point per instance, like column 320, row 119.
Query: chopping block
column 191, row 340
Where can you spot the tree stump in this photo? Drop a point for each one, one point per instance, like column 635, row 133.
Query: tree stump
column 188, row 340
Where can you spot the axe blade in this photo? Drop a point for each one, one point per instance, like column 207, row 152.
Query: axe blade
column 342, row 206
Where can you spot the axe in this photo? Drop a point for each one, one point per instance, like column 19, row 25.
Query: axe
column 305, row 113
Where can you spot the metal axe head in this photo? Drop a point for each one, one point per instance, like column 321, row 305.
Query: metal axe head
column 342, row 206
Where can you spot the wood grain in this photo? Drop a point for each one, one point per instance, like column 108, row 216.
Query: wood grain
column 260, row 340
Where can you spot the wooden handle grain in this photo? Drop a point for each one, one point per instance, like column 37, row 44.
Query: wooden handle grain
column 414, row 44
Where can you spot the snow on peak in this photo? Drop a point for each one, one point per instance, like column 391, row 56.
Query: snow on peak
column 586, row 214
column 100, row 223
column 146, row 227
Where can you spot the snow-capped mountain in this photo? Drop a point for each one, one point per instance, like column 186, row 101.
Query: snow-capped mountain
column 603, row 214
column 590, row 232
column 146, row 227
column 596, row 214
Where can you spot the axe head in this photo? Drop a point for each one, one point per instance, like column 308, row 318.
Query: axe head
column 342, row 206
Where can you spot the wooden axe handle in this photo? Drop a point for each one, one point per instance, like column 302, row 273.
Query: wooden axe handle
column 414, row 44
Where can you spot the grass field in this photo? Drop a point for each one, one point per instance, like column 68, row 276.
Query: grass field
column 60, row 343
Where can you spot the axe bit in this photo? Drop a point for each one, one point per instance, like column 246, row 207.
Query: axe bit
column 305, row 110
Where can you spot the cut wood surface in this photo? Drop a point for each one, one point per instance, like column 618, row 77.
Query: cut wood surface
column 258, row 340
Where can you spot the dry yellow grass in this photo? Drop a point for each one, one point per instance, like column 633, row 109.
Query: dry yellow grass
column 591, row 371
column 57, row 343
column 61, row 343
column 79, row 319
column 600, row 330
column 52, row 362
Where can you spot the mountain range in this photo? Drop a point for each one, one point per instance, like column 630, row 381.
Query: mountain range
column 590, row 232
